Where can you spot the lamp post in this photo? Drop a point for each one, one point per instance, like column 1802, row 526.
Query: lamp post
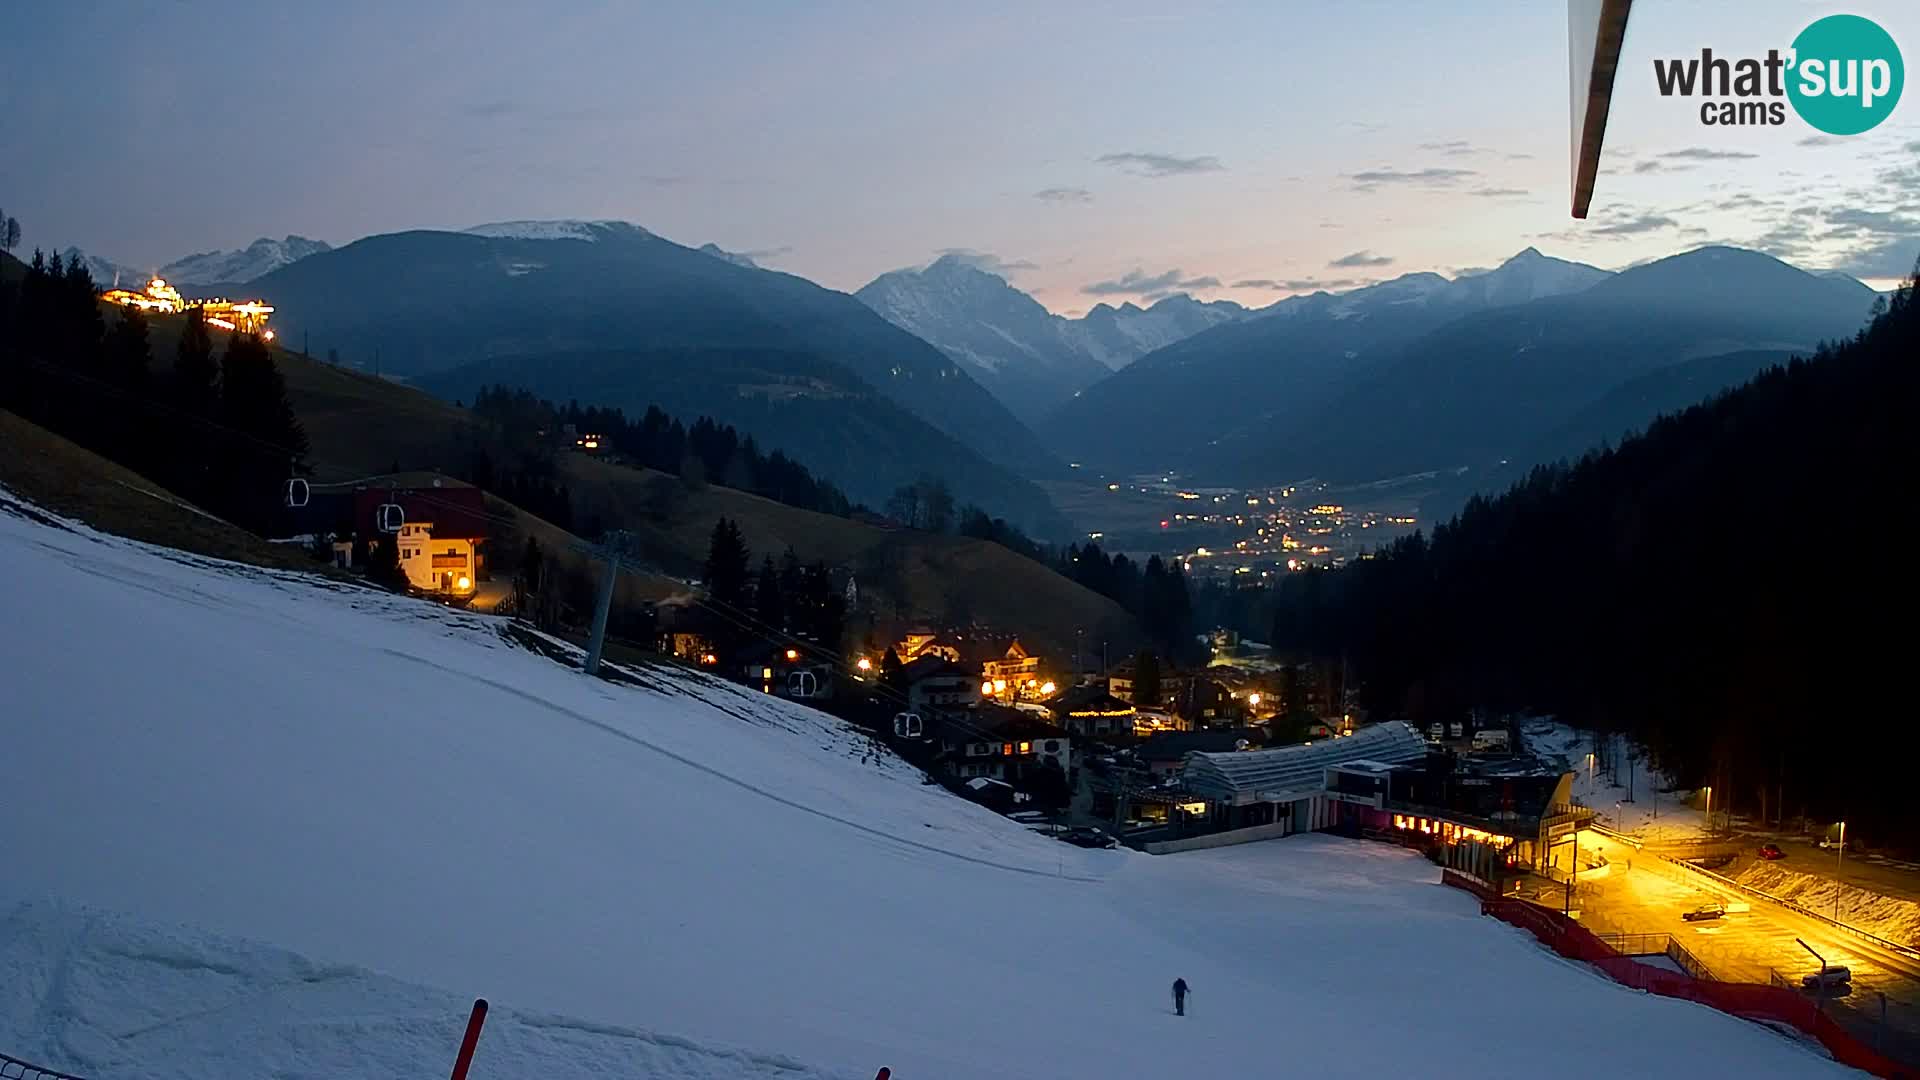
column 1839, row 862
column 1709, row 790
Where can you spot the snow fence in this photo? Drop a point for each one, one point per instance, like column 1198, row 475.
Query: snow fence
column 1749, row 1001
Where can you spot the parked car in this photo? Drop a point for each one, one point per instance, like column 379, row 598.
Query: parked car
column 1087, row 836
column 1830, row 978
column 1771, row 852
column 1705, row 912
column 1490, row 739
column 1436, row 731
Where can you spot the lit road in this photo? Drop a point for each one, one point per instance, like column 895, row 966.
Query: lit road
column 1747, row 946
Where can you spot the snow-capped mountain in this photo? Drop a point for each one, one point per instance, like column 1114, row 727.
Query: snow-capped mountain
column 558, row 229
column 1117, row 336
column 1032, row 359
column 236, row 267
column 257, row 259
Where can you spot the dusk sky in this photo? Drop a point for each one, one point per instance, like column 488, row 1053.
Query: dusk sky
column 1095, row 152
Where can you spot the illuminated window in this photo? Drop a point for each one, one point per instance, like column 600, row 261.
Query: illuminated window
column 1006, row 749
column 1026, row 748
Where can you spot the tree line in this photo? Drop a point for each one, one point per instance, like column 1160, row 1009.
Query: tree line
column 215, row 428
column 1727, row 588
column 705, row 452
column 790, row 598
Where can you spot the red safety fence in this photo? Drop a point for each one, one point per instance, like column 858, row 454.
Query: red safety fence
column 1749, row 1001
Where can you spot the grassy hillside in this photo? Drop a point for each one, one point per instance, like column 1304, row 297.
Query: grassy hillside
column 917, row 575
column 361, row 425
column 78, row 483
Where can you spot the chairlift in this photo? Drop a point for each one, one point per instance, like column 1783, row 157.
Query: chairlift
column 802, row 684
column 389, row 518
column 907, row 725
column 297, row 493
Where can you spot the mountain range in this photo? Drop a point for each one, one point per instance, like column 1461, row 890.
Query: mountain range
column 210, row 268
column 611, row 314
column 1031, row 359
column 1177, row 406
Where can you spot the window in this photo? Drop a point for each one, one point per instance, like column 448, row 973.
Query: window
column 1006, row 749
column 1053, row 746
column 1026, row 748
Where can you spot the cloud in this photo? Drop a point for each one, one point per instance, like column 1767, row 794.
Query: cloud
column 1143, row 163
column 1453, row 148
column 1297, row 284
column 988, row 261
column 1429, row 176
column 1702, row 153
column 1519, row 157
column 1651, row 166
column 1819, row 140
column 1633, row 226
column 768, row 253
column 1499, row 192
column 1361, row 259
column 1149, row 286
column 1064, row 195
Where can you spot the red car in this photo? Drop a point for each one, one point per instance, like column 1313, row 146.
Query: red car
column 1771, row 852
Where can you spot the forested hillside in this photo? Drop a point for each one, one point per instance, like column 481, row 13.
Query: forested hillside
column 1730, row 588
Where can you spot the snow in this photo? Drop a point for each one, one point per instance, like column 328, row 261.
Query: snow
column 681, row 879
column 1652, row 816
column 552, row 230
column 1885, row 916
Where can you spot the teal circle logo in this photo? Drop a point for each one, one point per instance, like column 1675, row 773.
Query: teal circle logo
column 1846, row 75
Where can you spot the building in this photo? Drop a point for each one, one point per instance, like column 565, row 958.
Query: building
column 1016, row 676
column 1090, row 711
column 934, row 682
column 1120, row 682
column 1487, row 818
column 244, row 316
column 441, row 539
column 1288, row 784
column 1164, row 753
column 999, row 743
column 924, row 642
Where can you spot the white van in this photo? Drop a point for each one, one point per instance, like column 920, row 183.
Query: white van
column 1490, row 739
column 1828, row 978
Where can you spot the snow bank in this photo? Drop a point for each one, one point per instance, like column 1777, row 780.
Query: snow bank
column 1895, row 920
column 431, row 814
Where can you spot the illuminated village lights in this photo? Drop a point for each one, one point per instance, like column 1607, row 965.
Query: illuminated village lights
column 242, row 316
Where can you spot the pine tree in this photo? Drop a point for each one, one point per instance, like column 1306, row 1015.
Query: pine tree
column 383, row 564
column 1146, row 679
column 264, row 441
column 195, row 377
column 727, row 564
column 769, row 603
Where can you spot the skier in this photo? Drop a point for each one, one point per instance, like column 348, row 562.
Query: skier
column 1179, row 997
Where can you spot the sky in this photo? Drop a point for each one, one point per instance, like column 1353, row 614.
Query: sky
column 1090, row 153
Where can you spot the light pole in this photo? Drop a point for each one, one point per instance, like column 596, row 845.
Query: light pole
column 1709, row 790
column 1839, row 862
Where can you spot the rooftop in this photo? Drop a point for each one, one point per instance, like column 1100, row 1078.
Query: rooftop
column 1249, row 776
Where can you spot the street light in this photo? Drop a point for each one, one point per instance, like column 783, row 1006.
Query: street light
column 1709, row 790
column 1839, row 860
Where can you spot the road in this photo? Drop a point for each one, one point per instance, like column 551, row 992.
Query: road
column 1875, row 873
column 1750, row 946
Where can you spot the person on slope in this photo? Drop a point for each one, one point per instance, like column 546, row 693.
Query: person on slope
column 1179, row 997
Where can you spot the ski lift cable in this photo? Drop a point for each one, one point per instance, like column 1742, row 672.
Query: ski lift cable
column 743, row 619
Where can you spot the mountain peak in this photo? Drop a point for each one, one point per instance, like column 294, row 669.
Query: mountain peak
column 557, row 229
column 1525, row 255
column 724, row 255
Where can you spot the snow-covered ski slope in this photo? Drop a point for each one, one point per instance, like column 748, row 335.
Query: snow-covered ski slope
column 678, row 880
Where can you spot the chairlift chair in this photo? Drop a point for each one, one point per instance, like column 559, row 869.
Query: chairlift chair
column 908, row 725
column 297, row 493
column 802, row 684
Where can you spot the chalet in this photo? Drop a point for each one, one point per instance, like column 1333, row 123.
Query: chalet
column 999, row 743
column 1016, row 676
column 933, row 683
column 1120, row 681
column 1091, row 711
column 441, row 537
column 921, row 642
